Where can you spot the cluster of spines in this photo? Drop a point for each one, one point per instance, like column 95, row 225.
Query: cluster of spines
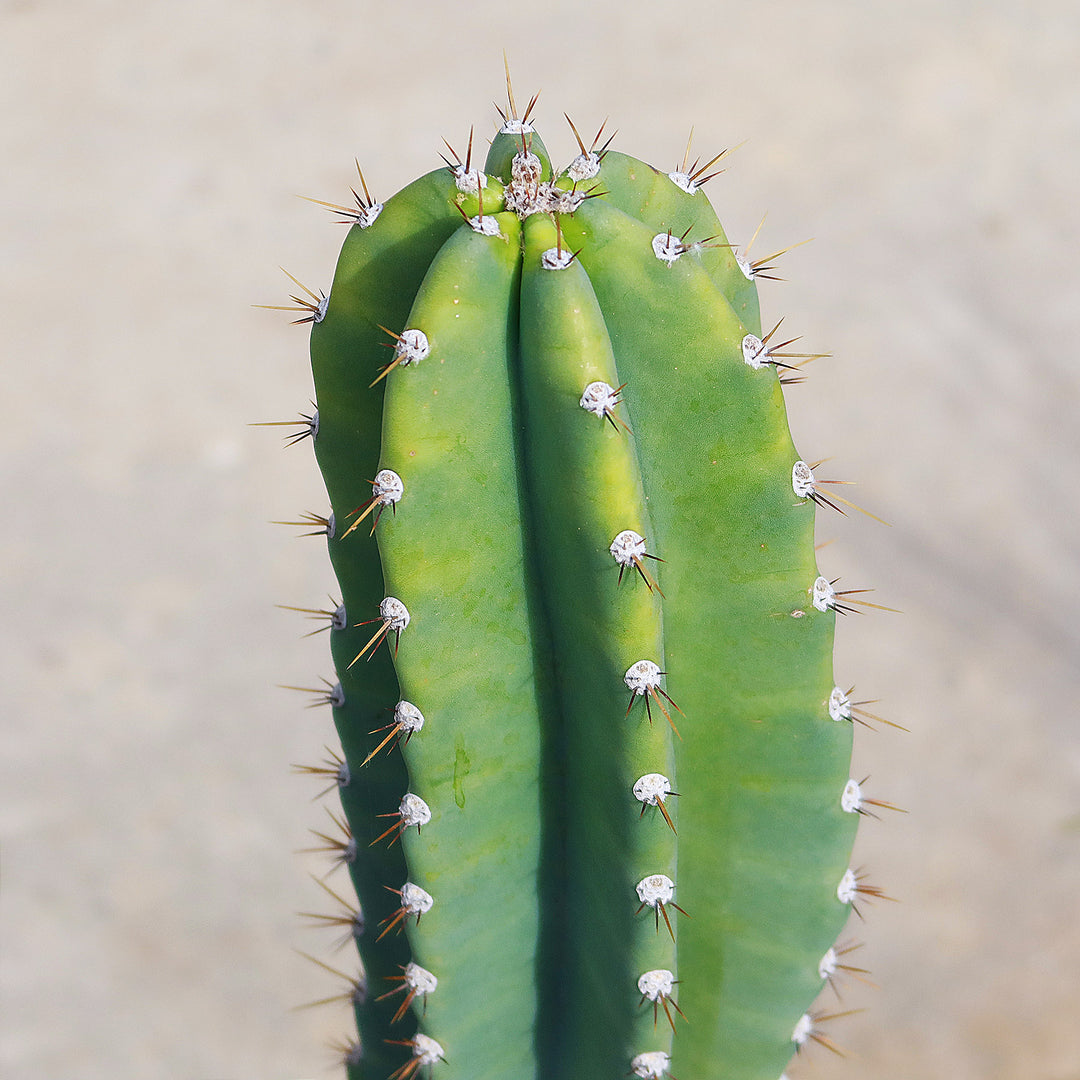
column 655, row 891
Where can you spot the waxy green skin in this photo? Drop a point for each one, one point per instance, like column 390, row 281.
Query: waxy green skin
column 585, row 487
column 379, row 271
column 650, row 195
column 754, row 678
column 454, row 556
column 521, row 634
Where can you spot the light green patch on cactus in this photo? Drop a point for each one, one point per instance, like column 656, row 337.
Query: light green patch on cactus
column 540, row 435
column 652, row 197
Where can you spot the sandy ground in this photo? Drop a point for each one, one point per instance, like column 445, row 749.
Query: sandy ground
column 151, row 154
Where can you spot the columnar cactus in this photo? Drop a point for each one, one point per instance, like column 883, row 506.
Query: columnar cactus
column 596, row 800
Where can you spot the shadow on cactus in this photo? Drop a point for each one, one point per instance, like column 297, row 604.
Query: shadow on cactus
column 594, row 770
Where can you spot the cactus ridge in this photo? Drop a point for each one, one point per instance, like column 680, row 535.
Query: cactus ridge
column 595, row 807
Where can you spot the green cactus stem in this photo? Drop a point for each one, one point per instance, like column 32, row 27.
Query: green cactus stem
column 596, row 802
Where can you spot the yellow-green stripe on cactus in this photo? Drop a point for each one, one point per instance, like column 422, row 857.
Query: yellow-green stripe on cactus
column 596, row 805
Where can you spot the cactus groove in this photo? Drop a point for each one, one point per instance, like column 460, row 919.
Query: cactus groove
column 597, row 810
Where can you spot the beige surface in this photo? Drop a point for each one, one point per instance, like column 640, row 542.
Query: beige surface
column 151, row 152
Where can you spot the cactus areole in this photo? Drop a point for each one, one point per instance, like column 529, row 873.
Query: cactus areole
column 595, row 810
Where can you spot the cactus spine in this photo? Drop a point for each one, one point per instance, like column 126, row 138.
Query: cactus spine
column 576, row 557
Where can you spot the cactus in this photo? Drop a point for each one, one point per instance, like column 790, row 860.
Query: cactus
column 596, row 804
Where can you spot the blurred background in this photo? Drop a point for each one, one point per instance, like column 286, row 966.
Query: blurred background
column 151, row 155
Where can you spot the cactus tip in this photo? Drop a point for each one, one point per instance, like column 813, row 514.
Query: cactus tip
column 512, row 124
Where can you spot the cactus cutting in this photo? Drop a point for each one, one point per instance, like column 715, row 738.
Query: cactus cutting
column 596, row 802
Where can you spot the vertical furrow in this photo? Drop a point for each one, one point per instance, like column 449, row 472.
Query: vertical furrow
column 605, row 617
column 454, row 556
